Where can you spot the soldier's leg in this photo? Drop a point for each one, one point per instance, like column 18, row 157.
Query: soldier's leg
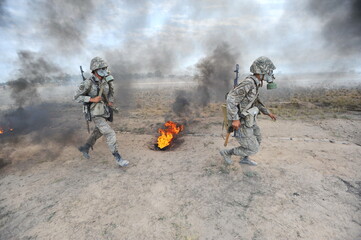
column 247, row 141
column 109, row 134
column 226, row 154
column 111, row 139
column 249, row 145
column 95, row 135
column 257, row 133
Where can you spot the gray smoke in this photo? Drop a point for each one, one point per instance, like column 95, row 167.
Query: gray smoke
column 215, row 73
column 34, row 71
column 3, row 12
column 32, row 116
column 214, row 77
column 64, row 23
column 342, row 23
column 181, row 104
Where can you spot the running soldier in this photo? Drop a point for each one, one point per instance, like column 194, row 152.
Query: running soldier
column 243, row 106
column 97, row 95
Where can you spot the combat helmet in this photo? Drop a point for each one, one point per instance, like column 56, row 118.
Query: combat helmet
column 97, row 63
column 262, row 65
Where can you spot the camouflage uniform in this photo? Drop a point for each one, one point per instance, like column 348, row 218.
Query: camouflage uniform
column 99, row 84
column 243, row 97
column 89, row 89
column 249, row 138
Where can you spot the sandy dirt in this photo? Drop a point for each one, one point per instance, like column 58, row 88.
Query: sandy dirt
column 307, row 184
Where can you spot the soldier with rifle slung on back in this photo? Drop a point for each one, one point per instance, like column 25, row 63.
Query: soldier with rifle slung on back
column 243, row 106
column 97, row 95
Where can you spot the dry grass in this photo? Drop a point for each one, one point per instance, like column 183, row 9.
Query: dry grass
column 317, row 103
column 155, row 106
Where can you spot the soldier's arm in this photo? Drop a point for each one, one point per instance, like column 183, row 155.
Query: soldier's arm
column 82, row 91
column 111, row 92
column 262, row 108
column 234, row 98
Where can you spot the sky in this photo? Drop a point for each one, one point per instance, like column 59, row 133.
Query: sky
column 173, row 36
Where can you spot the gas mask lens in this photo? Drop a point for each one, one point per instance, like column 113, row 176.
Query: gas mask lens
column 269, row 77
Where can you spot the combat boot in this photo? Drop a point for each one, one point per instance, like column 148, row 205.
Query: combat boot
column 85, row 150
column 246, row 160
column 120, row 161
column 226, row 154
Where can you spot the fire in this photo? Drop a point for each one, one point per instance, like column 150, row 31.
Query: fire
column 2, row 131
column 168, row 134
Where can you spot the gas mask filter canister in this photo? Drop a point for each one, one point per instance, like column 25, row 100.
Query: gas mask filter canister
column 269, row 77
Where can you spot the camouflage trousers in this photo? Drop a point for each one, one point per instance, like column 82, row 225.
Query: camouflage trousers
column 102, row 128
column 249, row 139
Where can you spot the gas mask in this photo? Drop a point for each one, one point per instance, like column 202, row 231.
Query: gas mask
column 269, row 77
column 103, row 72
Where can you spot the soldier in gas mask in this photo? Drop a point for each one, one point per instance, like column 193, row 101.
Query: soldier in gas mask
column 97, row 95
column 243, row 106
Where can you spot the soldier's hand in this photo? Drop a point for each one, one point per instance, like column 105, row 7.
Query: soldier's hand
column 110, row 104
column 236, row 124
column 272, row 116
column 96, row 99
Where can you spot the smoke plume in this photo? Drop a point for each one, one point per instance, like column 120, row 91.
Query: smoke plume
column 64, row 23
column 32, row 116
column 181, row 104
column 342, row 23
column 34, row 71
column 214, row 77
column 3, row 12
column 215, row 73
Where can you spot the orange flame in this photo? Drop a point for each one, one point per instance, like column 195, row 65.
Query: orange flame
column 167, row 135
column 2, row 131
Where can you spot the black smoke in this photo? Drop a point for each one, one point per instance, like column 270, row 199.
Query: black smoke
column 215, row 73
column 36, row 118
column 342, row 23
column 24, row 120
column 181, row 104
column 34, row 71
column 214, row 77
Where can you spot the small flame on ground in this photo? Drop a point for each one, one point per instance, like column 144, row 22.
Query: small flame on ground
column 2, row 131
column 168, row 134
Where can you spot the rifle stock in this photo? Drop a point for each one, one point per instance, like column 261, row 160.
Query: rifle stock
column 229, row 131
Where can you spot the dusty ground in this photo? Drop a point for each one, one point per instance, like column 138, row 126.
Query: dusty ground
column 307, row 184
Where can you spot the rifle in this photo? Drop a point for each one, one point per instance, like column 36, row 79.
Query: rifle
column 86, row 105
column 229, row 131
column 82, row 73
column 235, row 81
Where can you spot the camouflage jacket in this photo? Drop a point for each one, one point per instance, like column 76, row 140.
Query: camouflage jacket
column 239, row 97
column 90, row 88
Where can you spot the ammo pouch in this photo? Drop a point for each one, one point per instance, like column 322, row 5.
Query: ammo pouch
column 98, row 109
column 249, row 116
column 111, row 112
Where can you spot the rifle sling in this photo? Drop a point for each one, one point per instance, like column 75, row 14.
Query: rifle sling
column 100, row 93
